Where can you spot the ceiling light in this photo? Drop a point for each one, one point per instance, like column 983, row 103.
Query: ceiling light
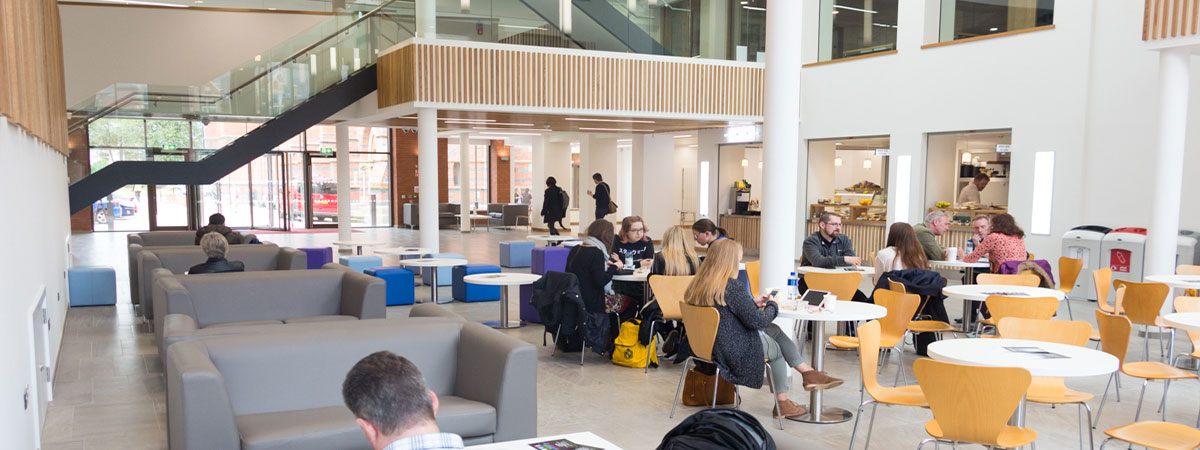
column 754, row 8
column 884, row 25
column 681, row 136
column 522, row 27
column 837, row 143
column 504, row 129
column 835, row 12
column 509, row 134
column 627, row 130
column 760, row 164
column 966, row 158
column 465, row 6
column 837, row 162
column 199, row 2
column 868, row 11
column 866, row 164
column 745, row 163
column 272, row 9
column 132, row 2
column 624, row 141
column 993, row 29
column 586, row 119
column 693, row 146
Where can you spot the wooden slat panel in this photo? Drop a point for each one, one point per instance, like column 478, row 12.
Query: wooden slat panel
column 867, row 238
column 32, row 81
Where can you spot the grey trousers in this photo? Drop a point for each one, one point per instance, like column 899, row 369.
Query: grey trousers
column 782, row 354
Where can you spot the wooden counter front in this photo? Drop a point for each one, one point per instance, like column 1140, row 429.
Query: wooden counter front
column 744, row 229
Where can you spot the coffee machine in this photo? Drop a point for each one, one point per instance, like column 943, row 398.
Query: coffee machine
column 740, row 196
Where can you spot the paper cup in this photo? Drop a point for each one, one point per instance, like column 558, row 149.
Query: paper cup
column 952, row 254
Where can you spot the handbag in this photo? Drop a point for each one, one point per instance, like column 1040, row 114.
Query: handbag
column 628, row 351
column 612, row 206
column 698, row 389
column 615, row 303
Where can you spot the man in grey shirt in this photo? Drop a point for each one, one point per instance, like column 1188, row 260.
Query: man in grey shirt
column 829, row 248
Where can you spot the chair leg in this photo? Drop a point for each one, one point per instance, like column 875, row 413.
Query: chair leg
column 716, row 387
column 556, row 334
column 1070, row 314
column 1141, row 397
column 857, row 418
column 900, row 356
column 679, row 390
column 922, row 444
column 650, row 350
column 774, row 395
column 1104, row 397
column 1088, row 430
column 1102, row 444
column 1145, row 343
column 1162, row 405
column 871, row 425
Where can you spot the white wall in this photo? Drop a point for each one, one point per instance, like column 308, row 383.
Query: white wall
column 656, row 194
column 597, row 154
column 166, row 46
column 941, row 173
column 550, row 159
column 37, row 258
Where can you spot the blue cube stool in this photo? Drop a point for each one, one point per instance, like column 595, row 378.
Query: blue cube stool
column 474, row 292
column 359, row 263
column 318, row 257
column 399, row 281
column 92, row 285
column 544, row 259
column 515, row 253
column 444, row 273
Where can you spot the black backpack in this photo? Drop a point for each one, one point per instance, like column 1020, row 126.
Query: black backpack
column 566, row 199
column 718, row 429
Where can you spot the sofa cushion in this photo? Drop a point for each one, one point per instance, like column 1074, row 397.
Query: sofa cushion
column 465, row 417
column 245, row 323
column 309, row 319
column 332, row 427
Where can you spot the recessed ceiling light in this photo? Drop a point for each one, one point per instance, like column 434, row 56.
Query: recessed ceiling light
column 754, row 8
column 199, row 2
column 132, row 2
column 626, row 130
column 993, row 29
column 693, row 146
column 585, row 119
column 682, row 136
column 837, row 143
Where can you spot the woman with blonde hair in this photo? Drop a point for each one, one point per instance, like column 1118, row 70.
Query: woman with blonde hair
column 746, row 336
column 678, row 255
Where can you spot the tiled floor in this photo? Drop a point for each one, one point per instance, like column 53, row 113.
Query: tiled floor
column 109, row 392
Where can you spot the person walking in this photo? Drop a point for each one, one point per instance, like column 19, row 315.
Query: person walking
column 553, row 209
column 603, row 196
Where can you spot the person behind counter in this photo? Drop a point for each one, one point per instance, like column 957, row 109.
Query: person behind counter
column 828, row 248
column 1005, row 242
column 903, row 251
column 936, row 223
column 705, row 232
column 970, row 193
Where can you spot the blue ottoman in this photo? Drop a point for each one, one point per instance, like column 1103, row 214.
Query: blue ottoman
column 474, row 292
column 400, row 285
column 92, row 285
column 515, row 253
column 545, row 259
column 528, row 312
column 318, row 257
column 359, row 263
column 444, row 273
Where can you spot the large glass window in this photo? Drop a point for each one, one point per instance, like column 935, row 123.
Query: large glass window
column 856, row 27
column 522, row 173
column 962, row 19
column 478, row 173
column 747, row 30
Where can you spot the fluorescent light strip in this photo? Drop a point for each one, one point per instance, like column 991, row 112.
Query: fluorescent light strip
column 624, row 130
column 683, row 136
column 508, row 124
column 582, row 119
column 520, row 27
column 132, row 2
column 510, row 134
column 625, row 141
column 754, row 8
column 1043, row 192
column 851, row 8
column 884, row 25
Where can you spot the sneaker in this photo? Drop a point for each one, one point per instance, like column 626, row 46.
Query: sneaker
column 814, row 380
column 790, row 410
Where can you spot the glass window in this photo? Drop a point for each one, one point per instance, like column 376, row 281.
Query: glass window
column 963, row 19
column 370, row 190
column 478, row 172
column 168, row 134
column 522, row 172
column 856, row 27
column 747, row 31
column 117, row 133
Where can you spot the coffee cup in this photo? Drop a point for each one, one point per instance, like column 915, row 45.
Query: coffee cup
column 952, row 254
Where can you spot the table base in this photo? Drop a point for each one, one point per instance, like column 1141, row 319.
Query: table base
column 502, row 326
column 828, row 415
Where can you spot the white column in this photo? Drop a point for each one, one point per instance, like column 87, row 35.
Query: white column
column 426, row 12
column 1168, row 181
column 464, row 180
column 427, row 177
column 538, row 178
column 781, row 142
column 342, row 144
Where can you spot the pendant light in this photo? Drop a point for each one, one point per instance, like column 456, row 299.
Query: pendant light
column 837, row 162
column 866, row 164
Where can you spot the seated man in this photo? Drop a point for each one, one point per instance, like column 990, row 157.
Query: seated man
column 216, row 222
column 215, row 246
column 396, row 411
column 829, row 248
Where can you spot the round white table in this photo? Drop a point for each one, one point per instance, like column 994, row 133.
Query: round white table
column 487, row 222
column 433, row 263
column 1176, row 281
column 1189, row 321
column 403, row 252
column 845, row 312
column 358, row 245
column 960, row 264
column 971, row 294
column 504, row 280
column 865, row 270
column 551, row 239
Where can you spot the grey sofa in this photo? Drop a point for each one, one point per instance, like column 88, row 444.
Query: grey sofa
column 178, row 259
column 184, row 237
column 447, row 215
column 508, row 214
column 135, row 286
column 283, row 390
column 194, row 304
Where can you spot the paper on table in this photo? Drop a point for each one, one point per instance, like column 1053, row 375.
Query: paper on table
column 1037, row 352
column 1008, row 294
column 561, row 444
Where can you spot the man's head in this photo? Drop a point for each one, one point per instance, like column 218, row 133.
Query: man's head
column 216, row 219
column 387, row 395
column 596, row 178
column 214, row 245
column 937, row 222
column 981, row 225
column 830, row 225
column 981, row 180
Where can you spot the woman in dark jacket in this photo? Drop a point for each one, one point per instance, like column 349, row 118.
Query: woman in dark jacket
column 214, row 246
column 552, row 205
column 745, row 335
column 593, row 265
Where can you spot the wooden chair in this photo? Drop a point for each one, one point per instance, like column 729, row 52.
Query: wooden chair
column 921, row 326
column 1114, row 338
column 1068, row 274
column 752, row 273
column 843, row 285
column 1188, row 269
column 668, row 292
column 900, row 309
column 1102, row 280
column 869, row 335
column 1011, row 280
column 1024, row 307
column 1188, row 304
column 701, row 323
column 1052, row 390
column 972, row 404
column 1156, row 435
column 1142, row 304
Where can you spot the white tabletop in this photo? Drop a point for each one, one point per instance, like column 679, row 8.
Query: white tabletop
column 1080, row 361
column 475, row 216
column 960, row 264
column 358, row 243
column 980, row 292
column 551, row 238
column 845, row 312
column 638, row 275
column 1186, row 320
column 586, row 438
column 433, row 262
column 1176, row 281
column 403, row 251
column 502, row 279
column 865, row 270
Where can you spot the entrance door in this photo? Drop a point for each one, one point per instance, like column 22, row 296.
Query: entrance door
column 266, row 192
column 322, row 183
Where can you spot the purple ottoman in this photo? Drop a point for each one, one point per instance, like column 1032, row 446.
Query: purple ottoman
column 318, row 257
column 545, row 259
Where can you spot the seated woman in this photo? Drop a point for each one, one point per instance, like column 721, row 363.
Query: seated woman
column 745, row 334
column 594, row 266
column 632, row 245
column 215, row 246
column 678, row 255
column 903, row 251
column 1005, row 242
column 705, row 232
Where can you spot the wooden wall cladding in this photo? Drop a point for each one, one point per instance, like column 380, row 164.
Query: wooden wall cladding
column 32, row 82
column 557, row 79
column 1165, row 19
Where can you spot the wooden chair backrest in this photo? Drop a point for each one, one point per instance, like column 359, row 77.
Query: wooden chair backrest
column 669, row 292
column 897, row 286
column 843, row 285
column 1028, row 308
column 1143, row 301
column 1189, row 304
column 1011, row 280
column 752, row 272
column 1114, row 334
column 1102, row 279
column 1057, row 331
column 1118, row 307
column 701, row 323
column 869, row 335
column 971, row 403
column 900, row 311
column 1068, row 272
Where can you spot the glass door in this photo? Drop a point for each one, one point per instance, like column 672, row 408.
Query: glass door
column 169, row 207
column 266, row 192
column 297, row 188
column 322, row 182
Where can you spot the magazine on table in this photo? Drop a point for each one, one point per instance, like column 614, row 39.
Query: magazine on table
column 1037, row 352
column 561, row 444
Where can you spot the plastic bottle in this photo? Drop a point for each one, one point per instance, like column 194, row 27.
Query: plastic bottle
column 970, row 247
column 793, row 284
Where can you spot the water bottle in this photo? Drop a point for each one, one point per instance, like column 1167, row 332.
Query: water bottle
column 793, row 284
column 970, row 246
column 629, row 261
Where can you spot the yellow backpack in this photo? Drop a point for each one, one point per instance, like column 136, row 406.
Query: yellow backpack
column 627, row 351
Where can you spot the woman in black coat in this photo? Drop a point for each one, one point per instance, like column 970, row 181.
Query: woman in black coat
column 552, row 205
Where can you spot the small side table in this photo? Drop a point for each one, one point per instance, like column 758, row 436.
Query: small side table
column 504, row 280
column 434, row 263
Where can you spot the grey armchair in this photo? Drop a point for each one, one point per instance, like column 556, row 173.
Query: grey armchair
column 243, row 392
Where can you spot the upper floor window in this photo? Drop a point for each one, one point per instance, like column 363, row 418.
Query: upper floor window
column 962, row 19
column 856, row 27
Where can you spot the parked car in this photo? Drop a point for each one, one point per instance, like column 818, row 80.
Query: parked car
column 120, row 208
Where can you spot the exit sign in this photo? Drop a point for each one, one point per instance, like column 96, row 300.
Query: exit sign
column 170, row 147
column 326, row 151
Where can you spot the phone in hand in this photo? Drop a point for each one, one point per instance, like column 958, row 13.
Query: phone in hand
column 773, row 293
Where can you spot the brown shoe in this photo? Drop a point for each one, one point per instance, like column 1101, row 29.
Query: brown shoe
column 814, row 380
column 790, row 410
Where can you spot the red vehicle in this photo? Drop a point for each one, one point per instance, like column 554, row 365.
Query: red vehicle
column 324, row 202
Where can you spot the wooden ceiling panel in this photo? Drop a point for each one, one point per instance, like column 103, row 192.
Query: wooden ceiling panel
column 522, row 122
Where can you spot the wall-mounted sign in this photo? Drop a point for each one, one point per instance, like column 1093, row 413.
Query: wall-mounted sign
column 326, row 150
column 743, row 133
column 883, row 151
column 170, row 147
column 1003, row 148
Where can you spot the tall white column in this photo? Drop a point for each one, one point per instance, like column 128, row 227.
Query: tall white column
column 1173, row 75
column 426, row 12
column 538, row 183
column 464, row 180
column 427, row 177
column 781, row 142
column 342, row 144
